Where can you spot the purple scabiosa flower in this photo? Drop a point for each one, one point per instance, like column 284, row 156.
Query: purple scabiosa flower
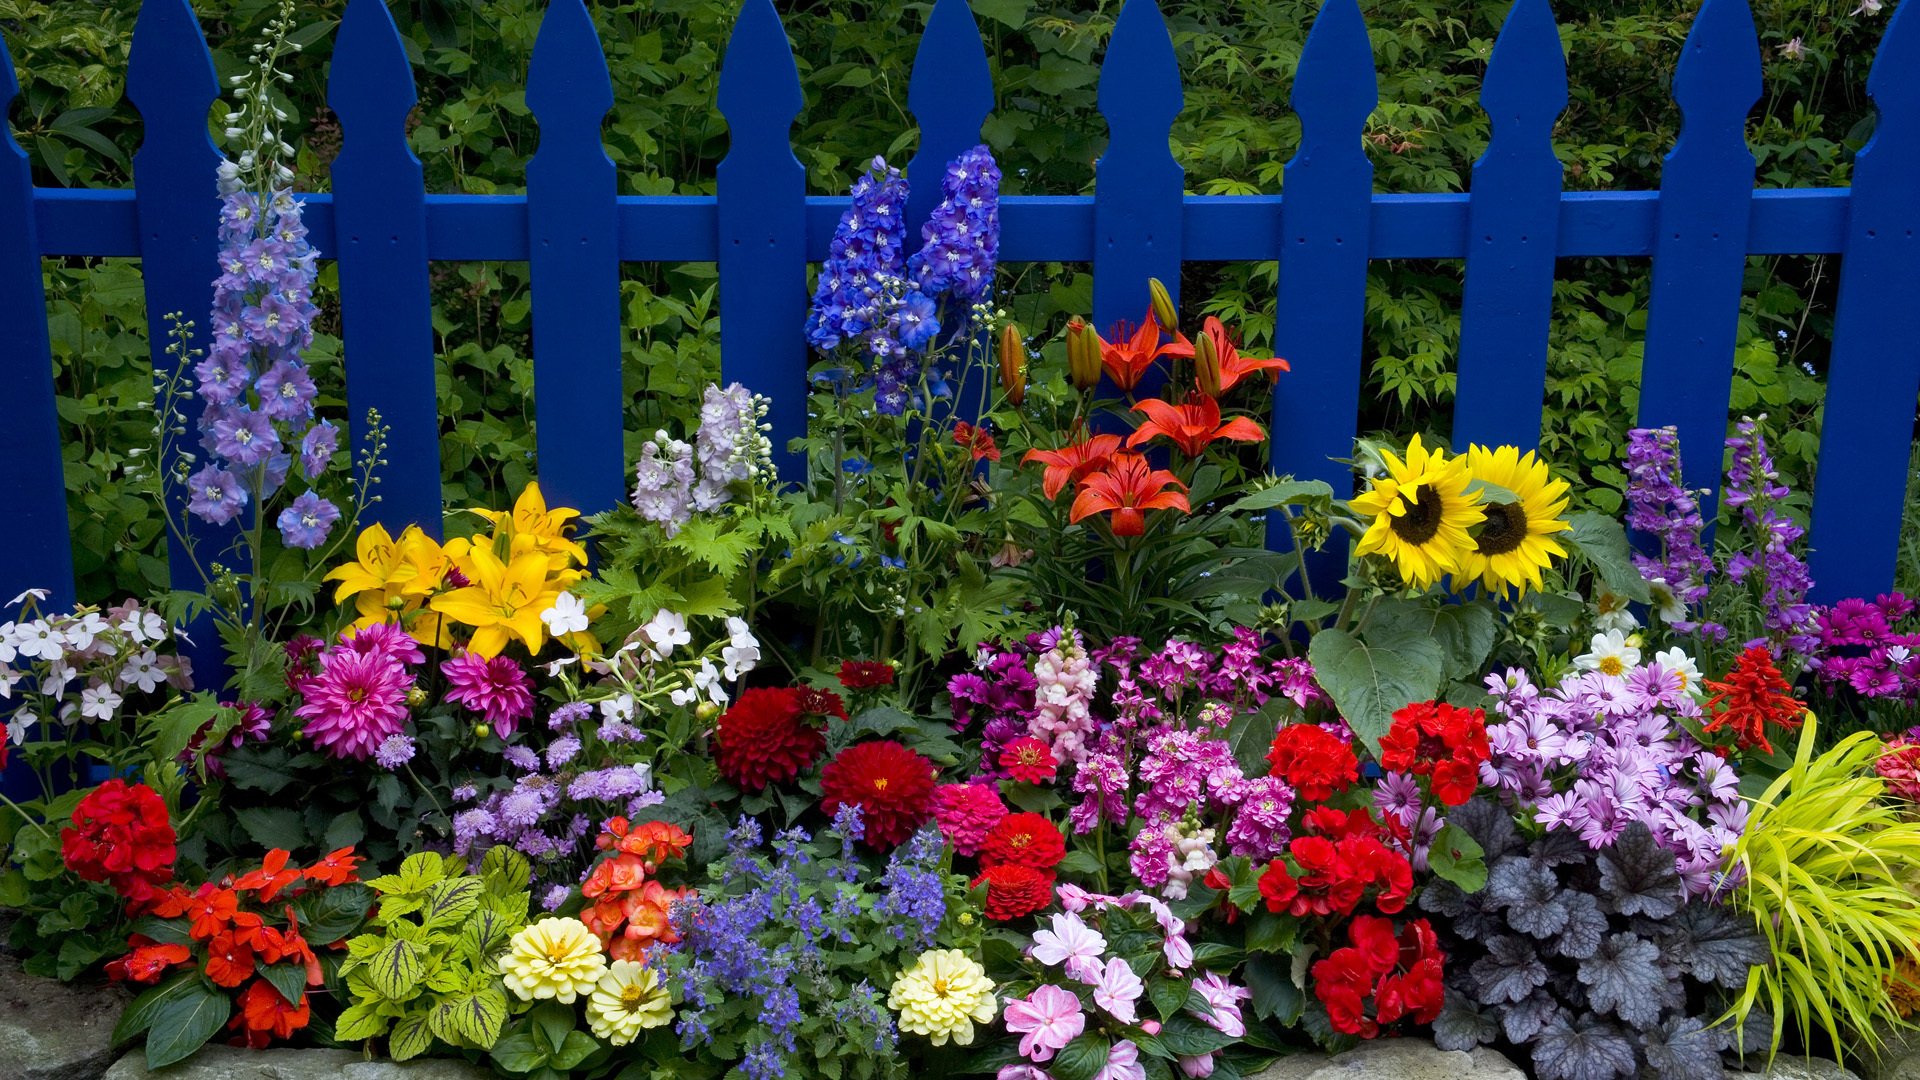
column 562, row 750
column 215, row 495
column 307, row 520
column 354, row 703
column 470, row 827
column 394, row 751
column 610, row 784
column 496, row 688
column 663, row 483
column 529, row 800
column 245, row 437
column 569, row 714
column 317, row 447
column 521, row 757
column 555, row 896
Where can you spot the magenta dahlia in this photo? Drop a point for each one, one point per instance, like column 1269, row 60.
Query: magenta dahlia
column 355, row 702
column 390, row 639
column 498, row 689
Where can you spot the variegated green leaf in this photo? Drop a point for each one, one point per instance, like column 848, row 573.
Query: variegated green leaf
column 397, row 970
column 411, row 1038
column 450, row 901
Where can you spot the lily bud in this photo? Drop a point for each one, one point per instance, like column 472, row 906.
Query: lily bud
column 1163, row 312
column 1083, row 354
column 706, row 710
column 1013, row 364
column 1206, row 366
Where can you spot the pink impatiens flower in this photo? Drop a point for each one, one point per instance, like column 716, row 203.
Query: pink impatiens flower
column 1116, row 989
column 1123, row 1063
column 1223, row 1000
column 498, row 689
column 1047, row 1021
column 1073, row 943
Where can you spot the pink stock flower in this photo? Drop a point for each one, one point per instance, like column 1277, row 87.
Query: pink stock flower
column 498, row 689
column 1047, row 1021
column 1116, row 989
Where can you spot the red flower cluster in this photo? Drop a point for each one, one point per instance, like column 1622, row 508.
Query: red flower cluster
column 1441, row 742
column 628, row 909
column 1753, row 698
column 121, row 836
column 1015, row 891
column 1020, row 842
column 1314, row 761
column 892, row 786
column 265, row 1015
column 1401, row 975
column 978, row 441
column 767, row 737
column 1029, row 761
column 1329, row 870
column 865, row 674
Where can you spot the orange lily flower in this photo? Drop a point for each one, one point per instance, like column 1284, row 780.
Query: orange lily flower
column 1127, row 486
column 1233, row 366
column 1071, row 463
column 978, row 441
column 1132, row 352
column 1193, row 426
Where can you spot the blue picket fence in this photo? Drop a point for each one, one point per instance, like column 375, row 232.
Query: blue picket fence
column 762, row 228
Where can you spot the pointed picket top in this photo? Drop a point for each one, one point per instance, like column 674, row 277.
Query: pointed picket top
column 759, row 83
column 1336, row 88
column 171, row 81
column 1894, row 83
column 1525, row 89
column 1717, row 80
column 1140, row 91
column 568, row 87
column 950, row 94
column 371, row 84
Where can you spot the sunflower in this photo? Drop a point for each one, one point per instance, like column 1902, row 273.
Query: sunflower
column 1515, row 543
column 1421, row 512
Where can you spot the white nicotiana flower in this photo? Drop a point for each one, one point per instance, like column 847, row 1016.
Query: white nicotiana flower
column 568, row 615
column 143, row 626
column 37, row 594
column 38, row 640
column 1611, row 613
column 1666, row 603
column 54, row 683
column 80, row 632
column 707, row 680
column 8, row 644
column 1609, row 653
column 98, row 702
column 742, row 651
column 18, row 723
column 665, row 631
column 143, row 670
column 618, row 708
column 554, row 668
column 1679, row 663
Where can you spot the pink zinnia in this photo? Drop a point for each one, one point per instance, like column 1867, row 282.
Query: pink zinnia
column 966, row 813
column 1047, row 1021
column 355, row 702
column 498, row 689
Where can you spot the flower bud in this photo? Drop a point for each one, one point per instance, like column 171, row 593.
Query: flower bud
column 416, row 697
column 706, row 710
column 1163, row 312
column 1013, row 364
column 1083, row 354
column 1206, row 365
column 481, row 731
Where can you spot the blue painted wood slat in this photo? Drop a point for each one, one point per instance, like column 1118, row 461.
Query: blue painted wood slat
column 574, row 252
column 761, row 219
column 380, row 223
column 1874, row 374
column 1512, row 224
column 950, row 94
column 1325, row 220
column 1700, row 248
column 39, row 554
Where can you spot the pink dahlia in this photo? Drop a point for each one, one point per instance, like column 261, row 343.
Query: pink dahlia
column 498, row 689
column 389, row 639
column 355, row 702
column 966, row 813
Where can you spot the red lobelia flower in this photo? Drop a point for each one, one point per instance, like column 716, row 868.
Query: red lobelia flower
column 865, row 674
column 1126, row 487
column 765, row 738
column 1192, row 426
column 1132, row 352
column 1029, row 760
column 978, row 441
column 892, row 786
column 1072, row 463
column 121, row 836
column 1315, row 761
column 1026, row 839
column 1439, row 741
column 1233, row 366
column 1753, row 698
column 1015, row 891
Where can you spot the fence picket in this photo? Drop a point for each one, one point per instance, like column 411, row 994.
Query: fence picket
column 42, row 555
column 1700, row 246
column 1325, row 220
column 950, row 94
column 763, row 227
column 170, row 80
column 380, row 224
column 1874, row 373
column 1513, row 225
column 1137, row 183
column 574, row 257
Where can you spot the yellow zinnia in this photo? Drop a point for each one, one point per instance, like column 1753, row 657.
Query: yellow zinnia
column 1421, row 512
column 502, row 601
column 554, row 958
column 1514, row 544
column 627, row 1000
column 942, row 996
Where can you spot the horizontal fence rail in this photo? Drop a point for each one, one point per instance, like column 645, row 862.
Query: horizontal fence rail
column 762, row 229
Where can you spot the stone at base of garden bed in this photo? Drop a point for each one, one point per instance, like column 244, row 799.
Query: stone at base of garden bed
column 233, row 1063
column 1395, row 1059
column 52, row 1031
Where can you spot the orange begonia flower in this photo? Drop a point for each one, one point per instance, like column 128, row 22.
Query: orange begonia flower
column 1193, row 426
column 1071, row 464
column 656, row 842
column 1233, row 366
column 1127, row 486
column 1132, row 352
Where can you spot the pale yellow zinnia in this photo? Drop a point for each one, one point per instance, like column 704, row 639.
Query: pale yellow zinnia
column 554, row 958
column 627, row 1000
column 942, row 996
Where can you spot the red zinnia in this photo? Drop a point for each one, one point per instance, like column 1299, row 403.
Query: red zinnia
column 1753, row 698
column 865, row 674
column 765, row 739
column 1014, row 891
column 1440, row 741
column 1025, row 839
column 121, row 836
column 892, row 786
column 1315, row 761
column 1029, row 760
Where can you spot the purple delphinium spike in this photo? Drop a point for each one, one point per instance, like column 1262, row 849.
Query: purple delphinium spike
column 1780, row 575
column 1659, row 504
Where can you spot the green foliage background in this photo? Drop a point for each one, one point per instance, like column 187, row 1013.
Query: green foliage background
column 474, row 133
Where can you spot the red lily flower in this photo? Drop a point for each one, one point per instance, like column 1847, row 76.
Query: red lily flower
column 1233, row 366
column 1072, row 463
column 978, row 441
column 1193, row 426
column 1132, row 352
column 1127, row 486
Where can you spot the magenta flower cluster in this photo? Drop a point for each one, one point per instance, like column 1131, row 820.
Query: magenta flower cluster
column 1869, row 647
column 357, row 699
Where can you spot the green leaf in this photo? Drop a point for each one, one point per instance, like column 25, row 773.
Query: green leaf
column 1188, row 1037
column 1274, row 995
column 162, row 931
column 411, row 1037
column 518, row 1053
column 1603, row 542
column 185, row 1022
column 289, row 979
column 505, row 870
column 274, row 827
column 327, row 915
column 1011, row 14
column 138, row 1015
column 574, row 1050
column 1284, row 493
column 1457, row 857
column 1169, row 996
column 1080, row 1059
column 449, row 901
column 397, row 969
column 359, row 1021
column 1465, row 632
column 477, row 1018
column 552, row 1023
column 1268, row 933
column 345, row 830
column 1369, row 680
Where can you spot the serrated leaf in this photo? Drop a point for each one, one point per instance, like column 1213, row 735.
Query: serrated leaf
column 1456, row 857
column 398, row 969
column 476, row 1018
column 411, row 1038
column 1592, row 1051
column 1465, row 632
column 273, row 827
column 1370, row 680
column 1623, row 977
column 449, row 901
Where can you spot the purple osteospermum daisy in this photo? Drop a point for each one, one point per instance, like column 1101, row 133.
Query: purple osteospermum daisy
column 306, row 521
column 355, row 703
column 497, row 689
column 215, row 495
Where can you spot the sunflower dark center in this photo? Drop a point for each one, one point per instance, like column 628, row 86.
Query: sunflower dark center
column 1422, row 518
column 1505, row 528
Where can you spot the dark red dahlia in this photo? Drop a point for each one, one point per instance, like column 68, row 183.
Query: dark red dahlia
column 1015, row 891
column 892, row 786
column 1025, row 840
column 865, row 674
column 765, row 739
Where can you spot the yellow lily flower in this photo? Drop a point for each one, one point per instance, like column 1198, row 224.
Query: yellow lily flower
column 547, row 529
column 389, row 581
column 502, row 602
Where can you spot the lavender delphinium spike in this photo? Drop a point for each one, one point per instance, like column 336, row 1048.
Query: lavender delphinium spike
column 1755, row 490
column 1659, row 504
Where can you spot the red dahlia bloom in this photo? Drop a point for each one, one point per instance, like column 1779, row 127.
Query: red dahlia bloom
column 765, row 739
column 1015, row 891
column 1315, row 761
column 121, row 836
column 1024, row 839
column 892, row 786
column 1029, row 760
column 1754, row 698
column 1439, row 741
column 865, row 674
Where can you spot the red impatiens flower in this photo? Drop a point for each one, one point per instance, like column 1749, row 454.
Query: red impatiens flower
column 1401, row 974
column 978, row 441
column 1029, row 760
column 765, row 738
column 121, row 836
column 1440, row 741
column 1125, row 488
column 1233, row 366
column 1315, row 761
column 272, row 876
column 147, row 961
column 335, row 868
column 265, row 1015
column 865, row 674
column 1132, row 352
column 1753, row 698
column 1026, row 839
column 1192, row 426
column 1072, row 463
column 892, row 786
column 229, row 959
column 1015, row 891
